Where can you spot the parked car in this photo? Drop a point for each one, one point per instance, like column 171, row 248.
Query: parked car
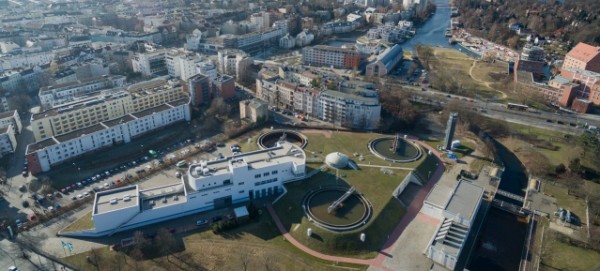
column 201, row 222
column 181, row 163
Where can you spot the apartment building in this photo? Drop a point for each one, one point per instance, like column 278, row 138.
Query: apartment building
column 353, row 104
column 55, row 95
column 322, row 55
column 8, row 140
column 27, row 60
column 254, row 110
column 583, row 57
column 151, row 62
column 11, row 118
column 207, row 185
column 89, row 110
column 43, row 155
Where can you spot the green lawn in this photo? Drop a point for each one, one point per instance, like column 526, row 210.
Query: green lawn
column 205, row 250
column 83, row 223
column 457, row 65
column 557, row 255
column 564, row 200
column 321, row 144
column 567, row 148
column 377, row 188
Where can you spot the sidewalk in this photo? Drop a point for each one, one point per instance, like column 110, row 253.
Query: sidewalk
column 411, row 212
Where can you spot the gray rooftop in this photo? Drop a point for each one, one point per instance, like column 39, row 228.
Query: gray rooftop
column 103, row 204
column 465, row 199
column 161, row 196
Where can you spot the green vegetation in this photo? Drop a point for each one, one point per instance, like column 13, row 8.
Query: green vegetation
column 258, row 244
column 387, row 212
column 321, row 143
column 458, row 73
column 564, row 200
column 83, row 223
column 557, row 255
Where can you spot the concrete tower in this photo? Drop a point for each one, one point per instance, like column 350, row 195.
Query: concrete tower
column 450, row 127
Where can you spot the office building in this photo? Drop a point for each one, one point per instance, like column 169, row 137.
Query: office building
column 205, row 186
column 151, row 62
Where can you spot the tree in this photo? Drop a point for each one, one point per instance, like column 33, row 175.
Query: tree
column 244, row 259
column 425, row 54
column 140, row 240
column 560, row 169
column 137, row 255
column 20, row 102
column 165, row 241
column 575, row 165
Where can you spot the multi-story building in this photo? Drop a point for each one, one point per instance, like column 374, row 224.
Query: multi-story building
column 150, row 62
column 532, row 53
column 4, row 104
column 87, row 111
column 353, row 104
column 233, row 62
column 27, row 60
column 8, row 140
column 255, row 110
column 206, row 186
column 287, row 42
column 583, row 57
column 200, row 89
column 224, row 86
column 11, row 118
column 43, row 155
column 385, row 62
column 58, row 94
column 304, row 38
column 322, row 55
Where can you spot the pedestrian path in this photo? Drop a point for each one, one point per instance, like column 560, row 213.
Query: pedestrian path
column 378, row 262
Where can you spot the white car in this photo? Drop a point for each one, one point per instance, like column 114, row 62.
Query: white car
column 13, row 268
column 79, row 196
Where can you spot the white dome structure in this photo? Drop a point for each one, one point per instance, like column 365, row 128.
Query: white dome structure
column 337, row 160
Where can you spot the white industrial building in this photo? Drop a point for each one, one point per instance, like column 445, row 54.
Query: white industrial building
column 206, row 186
column 456, row 211
column 54, row 150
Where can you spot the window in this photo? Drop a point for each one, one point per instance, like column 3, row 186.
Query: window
column 226, row 182
column 265, row 174
column 256, row 176
column 274, row 172
column 241, row 183
column 242, row 191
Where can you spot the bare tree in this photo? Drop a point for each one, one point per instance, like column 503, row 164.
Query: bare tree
column 165, row 241
column 137, row 255
column 269, row 262
column 140, row 240
column 244, row 260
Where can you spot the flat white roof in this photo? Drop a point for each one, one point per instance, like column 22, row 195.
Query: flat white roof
column 465, row 199
column 161, row 196
column 286, row 152
column 113, row 199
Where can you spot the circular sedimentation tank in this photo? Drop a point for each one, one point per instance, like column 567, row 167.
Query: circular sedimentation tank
column 354, row 212
column 395, row 149
column 270, row 138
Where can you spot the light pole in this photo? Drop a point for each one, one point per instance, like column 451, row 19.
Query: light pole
column 78, row 170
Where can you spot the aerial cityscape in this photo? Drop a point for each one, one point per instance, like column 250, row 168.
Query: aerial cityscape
column 300, row 135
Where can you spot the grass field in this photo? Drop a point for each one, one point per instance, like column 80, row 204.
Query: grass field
column 321, row 143
column 458, row 65
column 83, row 223
column 259, row 241
column 557, row 255
column 564, row 200
column 377, row 188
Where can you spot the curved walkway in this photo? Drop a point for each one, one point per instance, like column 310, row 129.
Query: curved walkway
column 411, row 212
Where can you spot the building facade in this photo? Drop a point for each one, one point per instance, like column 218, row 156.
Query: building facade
column 43, row 155
column 331, row 56
column 206, row 186
column 255, row 110
column 583, row 57
column 8, row 140
column 58, row 94
column 89, row 110
column 385, row 62
column 11, row 118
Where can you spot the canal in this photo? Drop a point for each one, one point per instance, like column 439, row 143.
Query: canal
column 500, row 242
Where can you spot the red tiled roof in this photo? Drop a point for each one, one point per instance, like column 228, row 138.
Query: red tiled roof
column 584, row 52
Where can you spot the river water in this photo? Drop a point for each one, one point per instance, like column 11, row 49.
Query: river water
column 500, row 242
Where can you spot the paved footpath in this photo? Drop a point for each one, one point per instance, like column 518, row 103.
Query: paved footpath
column 411, row 213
